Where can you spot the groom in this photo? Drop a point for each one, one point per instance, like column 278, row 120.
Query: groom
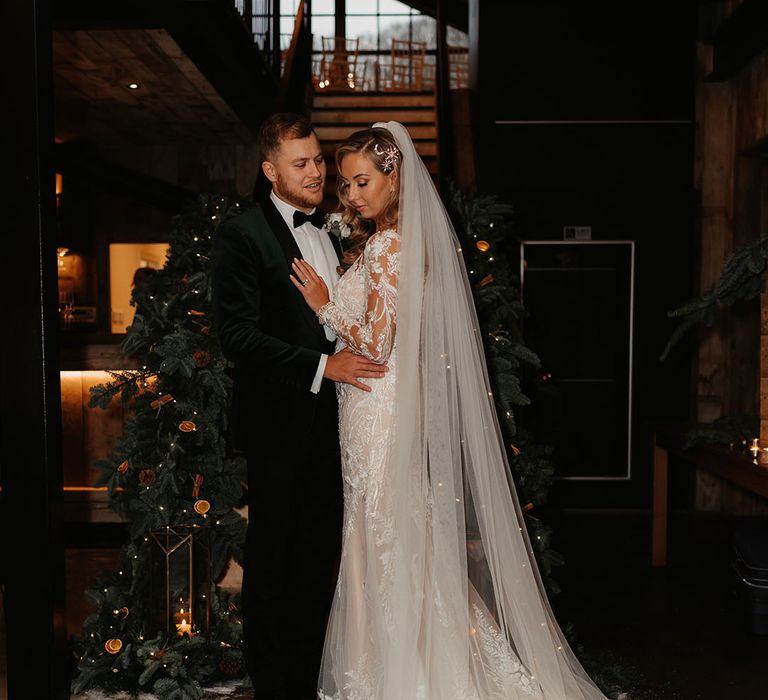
column 284, row 414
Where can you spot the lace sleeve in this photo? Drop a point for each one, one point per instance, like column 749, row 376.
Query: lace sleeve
column 375, row 336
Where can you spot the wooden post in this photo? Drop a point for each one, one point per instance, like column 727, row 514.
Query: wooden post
column 248, row 15
column 276, row 53
column 30, row 399
column 660, row 505
column 764, row 366
column 442, row 82
column 341, row 18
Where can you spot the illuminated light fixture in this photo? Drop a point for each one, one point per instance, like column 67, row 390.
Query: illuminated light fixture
column 59, row 190
column 483, row 246
column 133, row 86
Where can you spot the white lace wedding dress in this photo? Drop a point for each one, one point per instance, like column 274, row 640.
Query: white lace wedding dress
column 359, row 659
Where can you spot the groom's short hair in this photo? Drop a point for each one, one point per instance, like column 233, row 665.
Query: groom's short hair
column 280, row 127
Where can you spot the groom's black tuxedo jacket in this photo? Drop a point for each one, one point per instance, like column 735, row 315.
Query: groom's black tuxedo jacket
column 267, row 329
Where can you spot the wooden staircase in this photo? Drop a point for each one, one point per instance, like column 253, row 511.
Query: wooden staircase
column 336, row 116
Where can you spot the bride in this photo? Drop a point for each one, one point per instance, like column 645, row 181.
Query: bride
column 438, row 596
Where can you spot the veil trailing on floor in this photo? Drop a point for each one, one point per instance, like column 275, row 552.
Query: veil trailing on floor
column 464, row 610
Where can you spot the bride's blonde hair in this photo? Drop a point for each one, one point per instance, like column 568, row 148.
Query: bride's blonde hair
column 380, row 148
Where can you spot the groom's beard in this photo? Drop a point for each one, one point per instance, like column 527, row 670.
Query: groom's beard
column 299, row 197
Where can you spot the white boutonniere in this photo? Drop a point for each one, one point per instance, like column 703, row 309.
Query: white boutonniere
column 335, row 225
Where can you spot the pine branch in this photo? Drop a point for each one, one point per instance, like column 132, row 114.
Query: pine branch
column 741, row 279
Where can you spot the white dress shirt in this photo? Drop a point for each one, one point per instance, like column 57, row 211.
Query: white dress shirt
column 317, row 249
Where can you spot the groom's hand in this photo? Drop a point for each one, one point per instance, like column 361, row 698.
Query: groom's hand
column 347, row 367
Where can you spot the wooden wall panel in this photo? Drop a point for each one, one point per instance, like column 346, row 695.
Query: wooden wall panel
column 731, row 145
column 88, row 433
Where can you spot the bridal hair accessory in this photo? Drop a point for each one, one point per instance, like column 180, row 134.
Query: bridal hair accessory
column 390, row 155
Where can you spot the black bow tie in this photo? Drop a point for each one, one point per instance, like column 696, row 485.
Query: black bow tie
column 316, row 218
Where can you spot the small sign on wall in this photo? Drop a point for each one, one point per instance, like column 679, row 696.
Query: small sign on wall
column 577, row 233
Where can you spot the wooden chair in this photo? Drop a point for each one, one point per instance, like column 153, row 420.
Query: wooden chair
column 458, row 61
column 338, row 64
column 406, row 65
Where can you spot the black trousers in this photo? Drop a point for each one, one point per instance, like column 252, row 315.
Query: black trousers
column 292, row 554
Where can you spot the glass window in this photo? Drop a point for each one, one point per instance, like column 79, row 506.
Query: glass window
column 457, row 38
column 393, row 7
column 286, row 30
column 365, row 29
column 323, row 7
column 393, row 27
column 425, row 29
column 322, row 26
column 362, row 7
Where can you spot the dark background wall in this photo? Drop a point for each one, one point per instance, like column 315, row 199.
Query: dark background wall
column 601, row 96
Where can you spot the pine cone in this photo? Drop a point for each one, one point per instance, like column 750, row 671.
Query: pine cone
column 231, row 666
column 202, row 358
column 147, row 476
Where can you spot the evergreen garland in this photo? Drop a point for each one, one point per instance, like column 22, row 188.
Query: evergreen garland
column 183, row 377
column 729, row 431
column 741, row 279
column 178, row 404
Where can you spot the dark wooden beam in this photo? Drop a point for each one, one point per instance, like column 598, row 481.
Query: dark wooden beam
column 341, row 18
column 276, row 53
column 445, row 133
column 30, row 400
column 741, row 37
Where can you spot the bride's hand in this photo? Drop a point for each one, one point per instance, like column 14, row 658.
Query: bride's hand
column 310, row 284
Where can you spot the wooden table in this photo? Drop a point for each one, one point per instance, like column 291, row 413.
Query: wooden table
column 731, row 465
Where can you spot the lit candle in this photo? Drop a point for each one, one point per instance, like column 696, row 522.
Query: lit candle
column 183, row 627
column 182, row 618
column 755, row 449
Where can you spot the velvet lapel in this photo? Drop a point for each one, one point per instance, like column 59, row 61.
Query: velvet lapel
column 290, row 250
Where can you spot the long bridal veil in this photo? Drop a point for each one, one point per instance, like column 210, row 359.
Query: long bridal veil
column 462, row 613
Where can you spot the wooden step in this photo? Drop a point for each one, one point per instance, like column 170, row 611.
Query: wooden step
column 366, row 117
column 339, row 133
column 423, row 148
column 372, row 101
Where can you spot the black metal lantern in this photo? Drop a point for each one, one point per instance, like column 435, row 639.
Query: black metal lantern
column 180, row 579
